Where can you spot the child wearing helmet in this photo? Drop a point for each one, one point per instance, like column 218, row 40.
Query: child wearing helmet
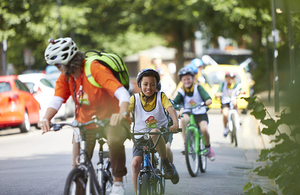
column 192, row 94
column 228, row 91
column 149, row 111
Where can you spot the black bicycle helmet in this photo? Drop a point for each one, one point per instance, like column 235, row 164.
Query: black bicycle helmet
column 185, row 71
column 148, row 72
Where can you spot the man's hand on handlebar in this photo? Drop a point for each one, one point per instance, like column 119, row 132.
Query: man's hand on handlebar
column 116, row 118
column 44, row 125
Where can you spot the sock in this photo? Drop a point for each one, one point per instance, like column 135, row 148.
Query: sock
column 166, row 161
column 207, row 146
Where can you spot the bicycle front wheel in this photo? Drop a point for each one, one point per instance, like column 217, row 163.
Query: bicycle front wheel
column 202, row 156
column 144, row 184
column 191, row 158
column 76, row 182
column 233, row 133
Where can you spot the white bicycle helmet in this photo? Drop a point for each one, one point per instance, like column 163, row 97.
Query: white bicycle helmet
column 60, row 51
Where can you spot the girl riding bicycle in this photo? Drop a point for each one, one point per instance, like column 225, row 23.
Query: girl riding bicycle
column 148, row 108
column 192, row 94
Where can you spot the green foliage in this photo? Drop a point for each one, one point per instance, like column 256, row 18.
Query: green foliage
column 283, row 160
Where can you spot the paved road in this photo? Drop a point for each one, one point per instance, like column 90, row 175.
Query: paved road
column 39, row 164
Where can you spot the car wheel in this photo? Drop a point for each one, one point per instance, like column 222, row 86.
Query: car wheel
column 25, row 126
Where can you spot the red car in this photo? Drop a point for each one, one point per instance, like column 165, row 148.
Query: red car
column 18, row 107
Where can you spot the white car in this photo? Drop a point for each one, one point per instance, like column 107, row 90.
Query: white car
column 43, row 90
column 52, row 74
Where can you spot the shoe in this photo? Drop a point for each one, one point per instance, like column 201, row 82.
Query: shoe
column 175, row 179
column 169, row 171
column 117, row 189
column 225, row 131
column 210, row 154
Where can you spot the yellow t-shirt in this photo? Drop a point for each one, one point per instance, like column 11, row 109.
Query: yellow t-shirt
column 149, row 106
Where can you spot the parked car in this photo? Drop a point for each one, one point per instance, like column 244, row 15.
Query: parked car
column 215, row 75
column 18, row 107
column 42, row 89
column 68, row 108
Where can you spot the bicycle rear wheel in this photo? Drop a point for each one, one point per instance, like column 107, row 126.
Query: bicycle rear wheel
column 107, row 178
column 76, row 182
column 202, row 156
column 233, row 133
column 191, row 158
column 144, row 185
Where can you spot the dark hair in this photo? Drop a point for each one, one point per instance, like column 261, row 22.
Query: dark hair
column 148, row 72
column 74, row 64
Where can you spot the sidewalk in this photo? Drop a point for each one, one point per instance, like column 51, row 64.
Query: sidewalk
column 270, row 106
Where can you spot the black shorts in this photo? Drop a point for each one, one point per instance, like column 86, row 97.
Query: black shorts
column 225, row 105
column 142, row 142
column 201, row 117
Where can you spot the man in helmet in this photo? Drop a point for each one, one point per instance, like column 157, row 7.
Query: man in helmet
column 149, row 108
column 228, row 91
column 193, row 95
column 109, row 101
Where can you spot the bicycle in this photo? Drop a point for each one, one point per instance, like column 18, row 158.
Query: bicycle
column 233, row 123
column 195, row 151
column 84, row 179
column 151, row 179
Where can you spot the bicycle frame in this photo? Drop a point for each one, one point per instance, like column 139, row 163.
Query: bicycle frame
column 86, row 164
column 93, row 184
column 193, row 126
column 149, row 167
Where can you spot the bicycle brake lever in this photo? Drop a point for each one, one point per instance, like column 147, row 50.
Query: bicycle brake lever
column 56, row 127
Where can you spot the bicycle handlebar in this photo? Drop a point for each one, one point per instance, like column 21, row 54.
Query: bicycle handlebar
column 75, row 123
column 147, row 136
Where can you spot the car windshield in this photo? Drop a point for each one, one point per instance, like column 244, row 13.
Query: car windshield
column 29, row 85
column 4, row 87
column 230, row 59
column 217, row 77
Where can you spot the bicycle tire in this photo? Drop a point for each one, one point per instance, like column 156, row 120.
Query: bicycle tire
column 234, row 137
column 191, row 158
column 76, row 182
column 144, row 185
column 160, row 170
column 231, row 132
column 202, row 157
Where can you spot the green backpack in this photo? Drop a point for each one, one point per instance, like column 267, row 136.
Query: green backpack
column 109, row 60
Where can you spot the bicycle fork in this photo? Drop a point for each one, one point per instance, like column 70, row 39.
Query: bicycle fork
column 198, row 136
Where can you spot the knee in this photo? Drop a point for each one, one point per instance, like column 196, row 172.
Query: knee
column 154, row 130
column 135, row 166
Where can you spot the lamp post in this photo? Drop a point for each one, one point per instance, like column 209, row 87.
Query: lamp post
column 59, row 18
column 4, row 48
column 275, row 55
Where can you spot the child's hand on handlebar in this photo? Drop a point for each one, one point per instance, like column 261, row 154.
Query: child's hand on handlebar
column 174, row 127
column 218, row 94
